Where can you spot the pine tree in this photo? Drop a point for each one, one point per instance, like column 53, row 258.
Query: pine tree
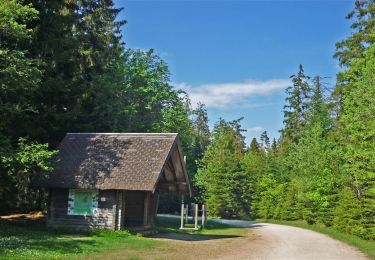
column 363, row 35
column 219, row 176
column 274, row 146
column 254, row 146
column 357, row 131
column 100, row 59
column 265, row 141
column 202, row 131
column 58, row 47
column 297, row 103
column 312, row 168
column 319, row 106
column 356, row 44
column 254, row 168
column 354, row 94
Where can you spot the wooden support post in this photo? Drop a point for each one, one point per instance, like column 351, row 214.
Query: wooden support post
column 154, row 208
column 146, row 211
column 157, row 204
column 182, row 214
column 196, row 216
column 187, row 214
column 123, row 209
column 119, row 209
column 203, row 216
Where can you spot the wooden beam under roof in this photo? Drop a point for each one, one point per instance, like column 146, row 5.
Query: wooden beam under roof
column 177, row 165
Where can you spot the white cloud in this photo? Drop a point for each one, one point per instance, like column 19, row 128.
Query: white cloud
column 254, row 129
column 233, row 93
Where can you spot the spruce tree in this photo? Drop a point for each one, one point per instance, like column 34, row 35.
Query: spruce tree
column 274, row 145
column 357, row 131
column 354, row 46
column 100, row 57
column 254, row 146
column 62, row 85
column 219, row 176
column 297, row 103
column 363, row 33
column 355, row 134
column 202, row 131
column 319, row 105
column 265, row 141
column 254, row 168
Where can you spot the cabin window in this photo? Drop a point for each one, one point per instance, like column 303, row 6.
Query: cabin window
column 82, row 202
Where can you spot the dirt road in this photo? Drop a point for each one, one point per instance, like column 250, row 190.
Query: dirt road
column 285, row 242
column 249, row 240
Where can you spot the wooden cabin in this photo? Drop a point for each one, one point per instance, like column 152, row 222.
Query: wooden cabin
column 113, row 180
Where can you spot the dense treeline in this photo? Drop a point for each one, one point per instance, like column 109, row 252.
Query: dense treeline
column 64, row 67
column 322, row 168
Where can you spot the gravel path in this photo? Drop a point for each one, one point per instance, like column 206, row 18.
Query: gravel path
column 284, row 242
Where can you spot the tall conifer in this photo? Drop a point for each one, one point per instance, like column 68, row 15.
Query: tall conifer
column 296, row 106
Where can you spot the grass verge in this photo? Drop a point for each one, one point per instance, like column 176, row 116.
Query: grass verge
column 366, row 246
column 35, row 241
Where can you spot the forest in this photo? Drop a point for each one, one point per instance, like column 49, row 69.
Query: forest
column 79, row 76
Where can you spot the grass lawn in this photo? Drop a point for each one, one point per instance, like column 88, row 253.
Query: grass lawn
column 38, row 242
column 34, row 240
column 367, row 247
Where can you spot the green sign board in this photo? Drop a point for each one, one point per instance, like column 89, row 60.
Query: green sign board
column 83, row 202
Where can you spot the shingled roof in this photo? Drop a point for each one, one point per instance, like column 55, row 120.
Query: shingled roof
column 126, row 161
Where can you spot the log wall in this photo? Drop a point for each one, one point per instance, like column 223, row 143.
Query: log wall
column 58, row 211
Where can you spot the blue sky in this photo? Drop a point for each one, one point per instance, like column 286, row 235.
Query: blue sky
column 237, row 56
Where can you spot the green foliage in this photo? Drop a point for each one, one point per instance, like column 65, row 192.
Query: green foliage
column 363, row 34
column 357, row 129
column 18, row 167
column 356, row 44
column 30, row 158
column 296, row 105
column 146, row 91
column 349, row 215
column 200, row 125
column 20, row 73
column 311, row 165
column 252, row 166
column 219, row 176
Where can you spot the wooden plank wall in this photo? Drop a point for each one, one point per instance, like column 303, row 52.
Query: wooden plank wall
column 58, row 208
